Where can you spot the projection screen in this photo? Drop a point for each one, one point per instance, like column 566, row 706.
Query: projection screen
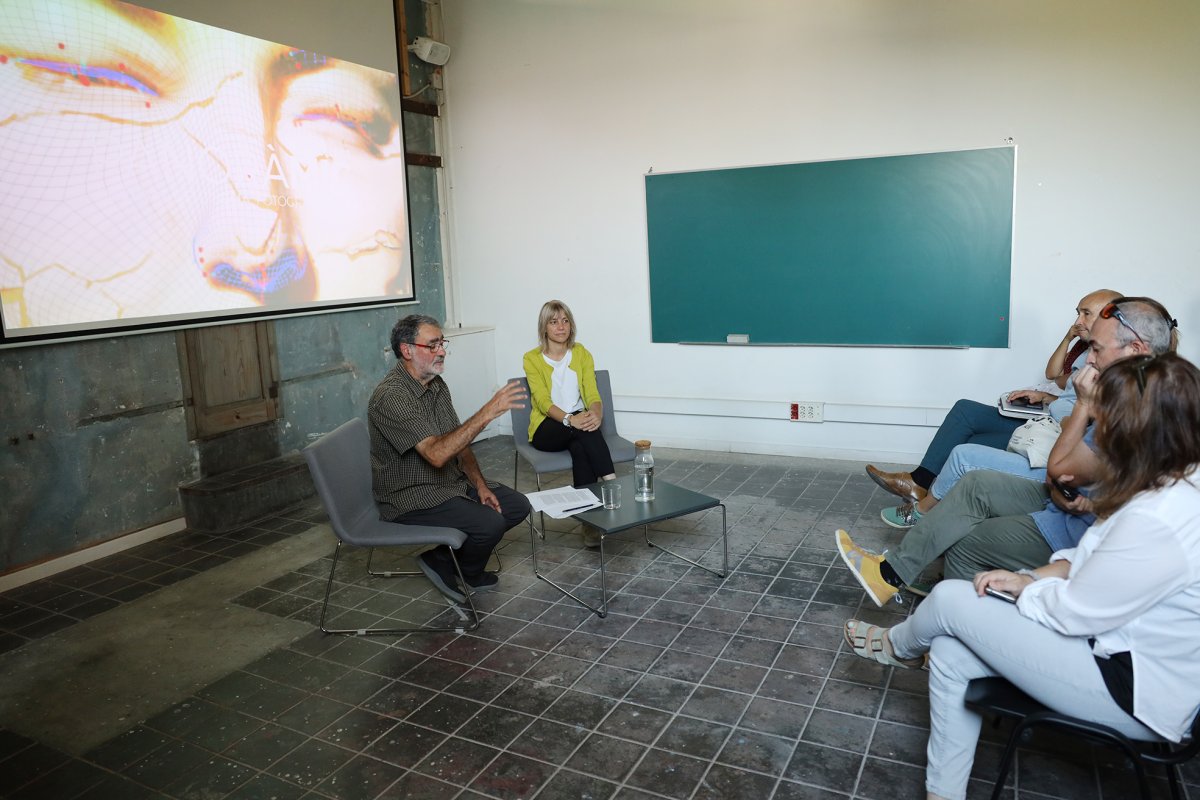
column 176, row 163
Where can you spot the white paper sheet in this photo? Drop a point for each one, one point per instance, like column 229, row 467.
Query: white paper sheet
column 563, row 502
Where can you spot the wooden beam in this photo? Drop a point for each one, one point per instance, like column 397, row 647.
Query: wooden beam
column 417, row 107
column 402, row 48
column 422, row 160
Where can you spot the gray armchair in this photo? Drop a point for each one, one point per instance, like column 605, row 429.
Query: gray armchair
column 341, row 470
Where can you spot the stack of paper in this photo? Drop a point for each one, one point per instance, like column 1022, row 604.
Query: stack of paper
column 562, row 503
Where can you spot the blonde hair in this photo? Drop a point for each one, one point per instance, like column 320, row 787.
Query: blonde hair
column 551, row 308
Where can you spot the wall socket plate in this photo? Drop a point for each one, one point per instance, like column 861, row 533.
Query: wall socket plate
column 806, row 411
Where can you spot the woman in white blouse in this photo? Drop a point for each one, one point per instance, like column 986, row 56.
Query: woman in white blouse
column 1107, row 631
column 565, row 409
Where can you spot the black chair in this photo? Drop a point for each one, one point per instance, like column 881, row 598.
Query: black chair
column 998, row 696
column 341, row 469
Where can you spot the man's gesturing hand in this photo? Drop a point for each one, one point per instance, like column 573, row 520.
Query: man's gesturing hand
column 511, row 395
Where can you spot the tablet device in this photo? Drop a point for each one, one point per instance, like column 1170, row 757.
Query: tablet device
column 1020, row 408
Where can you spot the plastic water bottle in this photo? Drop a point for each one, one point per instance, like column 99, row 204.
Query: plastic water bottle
column 643, row 471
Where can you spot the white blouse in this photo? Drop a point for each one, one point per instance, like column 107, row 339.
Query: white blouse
column 564, row 384
column 1134, row 585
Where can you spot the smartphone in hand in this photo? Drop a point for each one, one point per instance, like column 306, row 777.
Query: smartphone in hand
column 1005, row 596
column 1069, row 493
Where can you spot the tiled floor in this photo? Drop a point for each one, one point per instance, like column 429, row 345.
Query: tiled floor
column 692, row 687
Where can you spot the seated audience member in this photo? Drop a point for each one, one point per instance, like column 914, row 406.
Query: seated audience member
column 422, row 468
column 1073, row 345
column 1144, row 313
column 1107, row 630
column 565, row 411
column 993, row 519
column 977, row 423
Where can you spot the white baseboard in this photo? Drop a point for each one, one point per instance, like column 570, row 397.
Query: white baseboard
column 872, row 456
column 80, row 557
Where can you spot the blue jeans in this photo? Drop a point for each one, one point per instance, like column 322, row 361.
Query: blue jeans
column 968, row 423
column 968, row 457
column 968, row 636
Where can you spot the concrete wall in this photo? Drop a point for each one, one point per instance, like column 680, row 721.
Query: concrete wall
column 94, row 437
column 556, row 110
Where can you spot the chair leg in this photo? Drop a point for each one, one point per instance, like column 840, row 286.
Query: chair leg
column 1006, row 761
column 541, row 514
column 1173, row 779
column 472, row 618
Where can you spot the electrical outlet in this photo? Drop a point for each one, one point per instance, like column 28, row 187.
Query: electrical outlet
column 807, row 411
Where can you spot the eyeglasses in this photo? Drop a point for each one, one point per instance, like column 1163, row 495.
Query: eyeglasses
column 1111, row 311
column 433, row 347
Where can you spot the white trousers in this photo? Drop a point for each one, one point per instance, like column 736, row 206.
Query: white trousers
column 968, row 637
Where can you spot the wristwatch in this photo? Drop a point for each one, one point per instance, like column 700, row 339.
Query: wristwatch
column 566, row 420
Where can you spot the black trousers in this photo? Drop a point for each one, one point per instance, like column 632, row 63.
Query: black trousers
column 590, row 458
column 483, row 526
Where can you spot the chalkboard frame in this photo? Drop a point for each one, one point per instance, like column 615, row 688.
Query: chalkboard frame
column 907, row 250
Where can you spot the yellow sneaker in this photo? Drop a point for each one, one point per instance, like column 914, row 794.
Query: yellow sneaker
column 865, row 566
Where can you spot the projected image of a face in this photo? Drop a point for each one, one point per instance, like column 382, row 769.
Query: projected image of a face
column 153, row 166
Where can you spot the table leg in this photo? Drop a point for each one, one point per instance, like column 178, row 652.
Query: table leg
column 601, row 610
column 724, row 548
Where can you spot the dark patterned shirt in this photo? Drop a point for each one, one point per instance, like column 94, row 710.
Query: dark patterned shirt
column 400, row 414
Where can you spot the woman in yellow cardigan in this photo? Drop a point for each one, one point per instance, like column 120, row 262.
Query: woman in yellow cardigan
column 565, row 408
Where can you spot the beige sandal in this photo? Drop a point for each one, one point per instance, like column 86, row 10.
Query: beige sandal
column 867, row 641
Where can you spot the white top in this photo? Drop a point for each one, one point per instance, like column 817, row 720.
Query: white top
column 564, row 384
column 1134, row 585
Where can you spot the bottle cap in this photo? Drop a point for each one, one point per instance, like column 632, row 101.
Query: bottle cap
column 642, row 444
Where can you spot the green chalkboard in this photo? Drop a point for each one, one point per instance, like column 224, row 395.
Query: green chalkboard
column 911, row 250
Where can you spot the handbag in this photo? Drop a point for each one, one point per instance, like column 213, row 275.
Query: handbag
column 1035, row 439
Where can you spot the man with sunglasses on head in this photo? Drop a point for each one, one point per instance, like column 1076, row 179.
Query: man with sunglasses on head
column 423, row 470
column 995, row 520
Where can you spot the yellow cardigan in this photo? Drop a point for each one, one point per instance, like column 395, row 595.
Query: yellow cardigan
column 538, row 373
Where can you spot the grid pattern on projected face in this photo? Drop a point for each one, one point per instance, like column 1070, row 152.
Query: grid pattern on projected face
column 157, row 166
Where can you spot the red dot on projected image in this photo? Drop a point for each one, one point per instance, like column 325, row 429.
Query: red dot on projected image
column 3, row 59
column 62, row 46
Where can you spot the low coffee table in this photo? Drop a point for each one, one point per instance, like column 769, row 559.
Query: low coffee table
column 669, row 501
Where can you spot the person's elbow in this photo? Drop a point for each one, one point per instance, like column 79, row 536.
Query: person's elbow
column 1057, row 468
column 435, row 456
column 437, row 462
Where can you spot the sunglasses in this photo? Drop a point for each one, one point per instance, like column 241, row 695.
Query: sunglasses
column 1139, row 371
column 1112, row 311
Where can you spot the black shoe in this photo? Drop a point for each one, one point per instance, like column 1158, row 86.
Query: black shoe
column 483, row 582
column 441, row 575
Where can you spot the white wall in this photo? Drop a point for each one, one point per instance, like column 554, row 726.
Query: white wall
column 557, row 108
